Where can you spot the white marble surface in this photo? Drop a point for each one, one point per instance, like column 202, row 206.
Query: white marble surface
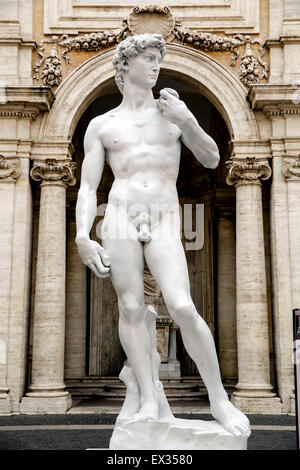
column 174, row 433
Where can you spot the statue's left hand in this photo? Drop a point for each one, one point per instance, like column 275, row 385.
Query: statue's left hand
column 172, row 108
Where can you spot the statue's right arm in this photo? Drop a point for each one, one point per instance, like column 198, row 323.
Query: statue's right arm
column 91, row 253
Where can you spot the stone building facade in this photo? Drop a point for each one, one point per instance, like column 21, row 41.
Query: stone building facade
column 236, row 63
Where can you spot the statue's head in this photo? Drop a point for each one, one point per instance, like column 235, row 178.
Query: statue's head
column 131, row 47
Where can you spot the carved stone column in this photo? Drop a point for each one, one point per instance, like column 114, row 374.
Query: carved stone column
column 291, row 171
column 8, row 174
column 47, row 389
column 253, row 391
column 227, row 342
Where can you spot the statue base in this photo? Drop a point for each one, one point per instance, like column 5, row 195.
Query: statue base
column 174, row 434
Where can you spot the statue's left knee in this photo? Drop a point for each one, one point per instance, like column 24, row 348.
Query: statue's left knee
column 184, row 313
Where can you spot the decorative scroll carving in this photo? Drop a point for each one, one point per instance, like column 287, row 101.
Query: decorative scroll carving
column 155, row 19
column 54, row 170
column 291, row 169
column 249, row 171
column 8, row 171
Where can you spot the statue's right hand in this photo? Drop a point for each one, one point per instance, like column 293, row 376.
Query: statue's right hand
column 94, row 256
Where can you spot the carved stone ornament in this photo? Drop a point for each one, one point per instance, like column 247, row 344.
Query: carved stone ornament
column 249, row 72
column 52, row 170
column 291, row 169
column 8, row 171
column 154, row 19
column 51, row 71
column 248, row 171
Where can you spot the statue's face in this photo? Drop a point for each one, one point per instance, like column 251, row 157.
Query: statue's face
column 143, row 70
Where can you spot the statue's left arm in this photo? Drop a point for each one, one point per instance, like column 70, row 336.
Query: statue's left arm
column 192, row 135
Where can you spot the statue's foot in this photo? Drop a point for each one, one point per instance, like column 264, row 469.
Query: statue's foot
column 148, row 412
column 233, row 420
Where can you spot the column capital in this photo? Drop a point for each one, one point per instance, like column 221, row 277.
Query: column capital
column 291, row 169
column 54, row 171
column 8, row 171
column 247, row 171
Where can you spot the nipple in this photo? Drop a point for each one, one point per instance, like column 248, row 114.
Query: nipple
column 143, row 221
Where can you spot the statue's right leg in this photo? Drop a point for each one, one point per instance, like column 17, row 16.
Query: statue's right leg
column 126, row 267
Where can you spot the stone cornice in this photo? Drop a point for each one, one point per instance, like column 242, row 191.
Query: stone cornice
column 18, row 111
column 261, row 96
column 282, row 110
column 241, row 149
column 247, row 171
column 291, row 169
column 37, row 98
column 19, row 41
column 52, row 170
column 8, row 171
column 58, row 150
column 282, row 41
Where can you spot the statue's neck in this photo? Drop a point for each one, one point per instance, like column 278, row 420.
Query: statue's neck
column 136, row 98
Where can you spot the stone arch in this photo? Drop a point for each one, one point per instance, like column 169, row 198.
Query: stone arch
column 213, row 80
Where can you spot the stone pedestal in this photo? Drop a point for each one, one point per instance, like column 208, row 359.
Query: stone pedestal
column 47, row 389
column 132, row 432
column 174, row 434
column 253, row 391
column 48, row 405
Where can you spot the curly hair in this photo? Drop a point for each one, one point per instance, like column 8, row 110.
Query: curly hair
column 131, row 47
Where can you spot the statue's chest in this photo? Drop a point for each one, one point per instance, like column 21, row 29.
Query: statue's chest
column 142, row 128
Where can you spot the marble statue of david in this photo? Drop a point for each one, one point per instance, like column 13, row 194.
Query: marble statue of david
column 141, row 141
